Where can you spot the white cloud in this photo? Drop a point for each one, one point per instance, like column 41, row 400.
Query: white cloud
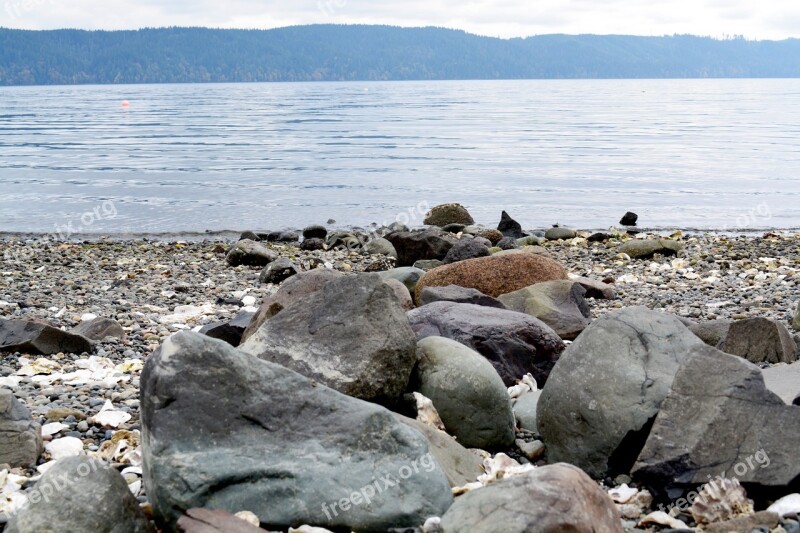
column 772, row 19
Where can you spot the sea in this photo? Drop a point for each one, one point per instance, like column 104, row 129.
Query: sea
column 200, row 159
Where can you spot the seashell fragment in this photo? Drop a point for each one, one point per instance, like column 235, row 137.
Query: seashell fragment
column 426, row 412
column 720, row 500
column 785, row 506
column 662, row 519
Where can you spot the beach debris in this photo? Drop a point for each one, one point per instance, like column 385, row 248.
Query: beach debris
column 426, row 412
column 110, row 417
column 662, row 519
column 787, row 505
column 720, row 500
column 623, row 493
column 64, row 447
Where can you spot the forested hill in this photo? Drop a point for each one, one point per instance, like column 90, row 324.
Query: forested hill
column 333, row 52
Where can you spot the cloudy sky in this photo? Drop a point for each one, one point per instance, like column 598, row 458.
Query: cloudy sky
column 762, row 19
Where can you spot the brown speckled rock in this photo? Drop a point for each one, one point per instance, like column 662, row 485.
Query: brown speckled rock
column 496, row 275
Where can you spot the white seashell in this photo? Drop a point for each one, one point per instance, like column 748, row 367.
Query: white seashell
column 53, row 428
column 719, row 500
column 10, row 382
column 662, row 519
column 426, row 412
column 628, row 278
column 787, row 505
column 42, row 468
column 502, row 466
column 518, row 390
column 40, row 366
column 622, row 494
column 87, row 317
column 64, row 447
column 249, row 301
column 248, row 517
column 530, row 381
column 111, row 417
column 135, row 487
column 308, row 529
column 432, row 525
column 186, row 313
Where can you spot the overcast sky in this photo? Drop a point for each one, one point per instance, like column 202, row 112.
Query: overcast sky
column 762, row 19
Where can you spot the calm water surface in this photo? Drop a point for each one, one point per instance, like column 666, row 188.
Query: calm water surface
column 709, row 154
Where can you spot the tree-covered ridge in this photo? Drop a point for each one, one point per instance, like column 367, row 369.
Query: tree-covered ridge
column 338, row 53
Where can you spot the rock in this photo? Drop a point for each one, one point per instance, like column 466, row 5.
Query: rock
column 559, row 304
column 294, row 289
column 312, row 245
column 411, row 246
column 230, row 331
column 495, row 275
column 466, row 390
column 629, row 219
column 351, row 335
column 279, row 270
column 459, row 465
column 524, row 409
column 747, row 524
column 344, row 241
column 315, row 232
column 250, row 253
column 445, row 214
column 401, row 293
column 461, row 295
column 711, row 332
column 560, row 234
column 282, row 236
column 249, row 235
column 20, row 436
column 596, row 409
column 225, row 430
column 509, row 228
column 595, row 289
column 760, row 340
column 783, row 380
column 427, row 264
column 551, row 499
column 80, row 494
column 454, row 228
column 380, row 246
column 735, row 426
column 465, row 249
column 796, row 320
column 37, row 338
column 216, row 521
column 530, row 240
column 515, row 343
column 647, row 248
column 492, row 235
column 508, row 243
column 408, row 276
column 98, row 329
column 599, row 237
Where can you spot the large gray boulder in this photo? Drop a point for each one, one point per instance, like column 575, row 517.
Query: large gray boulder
column 408, row 276
column 20, row 436
column 552, row 499
column 760, row 340
column 560, row 304
column 225, row 430
column 465, row 249
column 80, row 494
column 597, row 407
column 351, row 335
column 292, row 290
column 720, row 419
column 458, row 294
column 445, row 214
column 380, row 246
column 515, row 343
column 411, row 246
column 37, row 338
column 711, row 332
column 250, row 253
column 467, row 392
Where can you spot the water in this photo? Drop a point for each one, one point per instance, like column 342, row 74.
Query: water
column 712, row 154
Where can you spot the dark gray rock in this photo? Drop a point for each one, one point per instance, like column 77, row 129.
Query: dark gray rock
column 445, row 214
column 225, row 430
column 380, row 246
column 760, row 340
column 411, row 246
column 525, row 410
column 647, row 248
column 214, row 521
column 466, row 391
column 312, row 245
column 408, row 276
column 711, row 332
column 229, row 331
column 20, row 436
column 599, row 237
column 99, row 328
column 560, row 234
column 80, row 494
column 315, row 232
column 597, row 407
column 37, row 338
column 515, row 343
column 596, row 289
column 249, row 235
column 551, row 499
column 460, row 295
column 560, row 304
column 351, row 335
column 509, row 228
column 427, row 264
column 508, row 243
column 629, row 219
column 720, row 419
column 465, row 249
column 279, row 270
column 282, row 236
column 293, row 289
column 250, row 253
